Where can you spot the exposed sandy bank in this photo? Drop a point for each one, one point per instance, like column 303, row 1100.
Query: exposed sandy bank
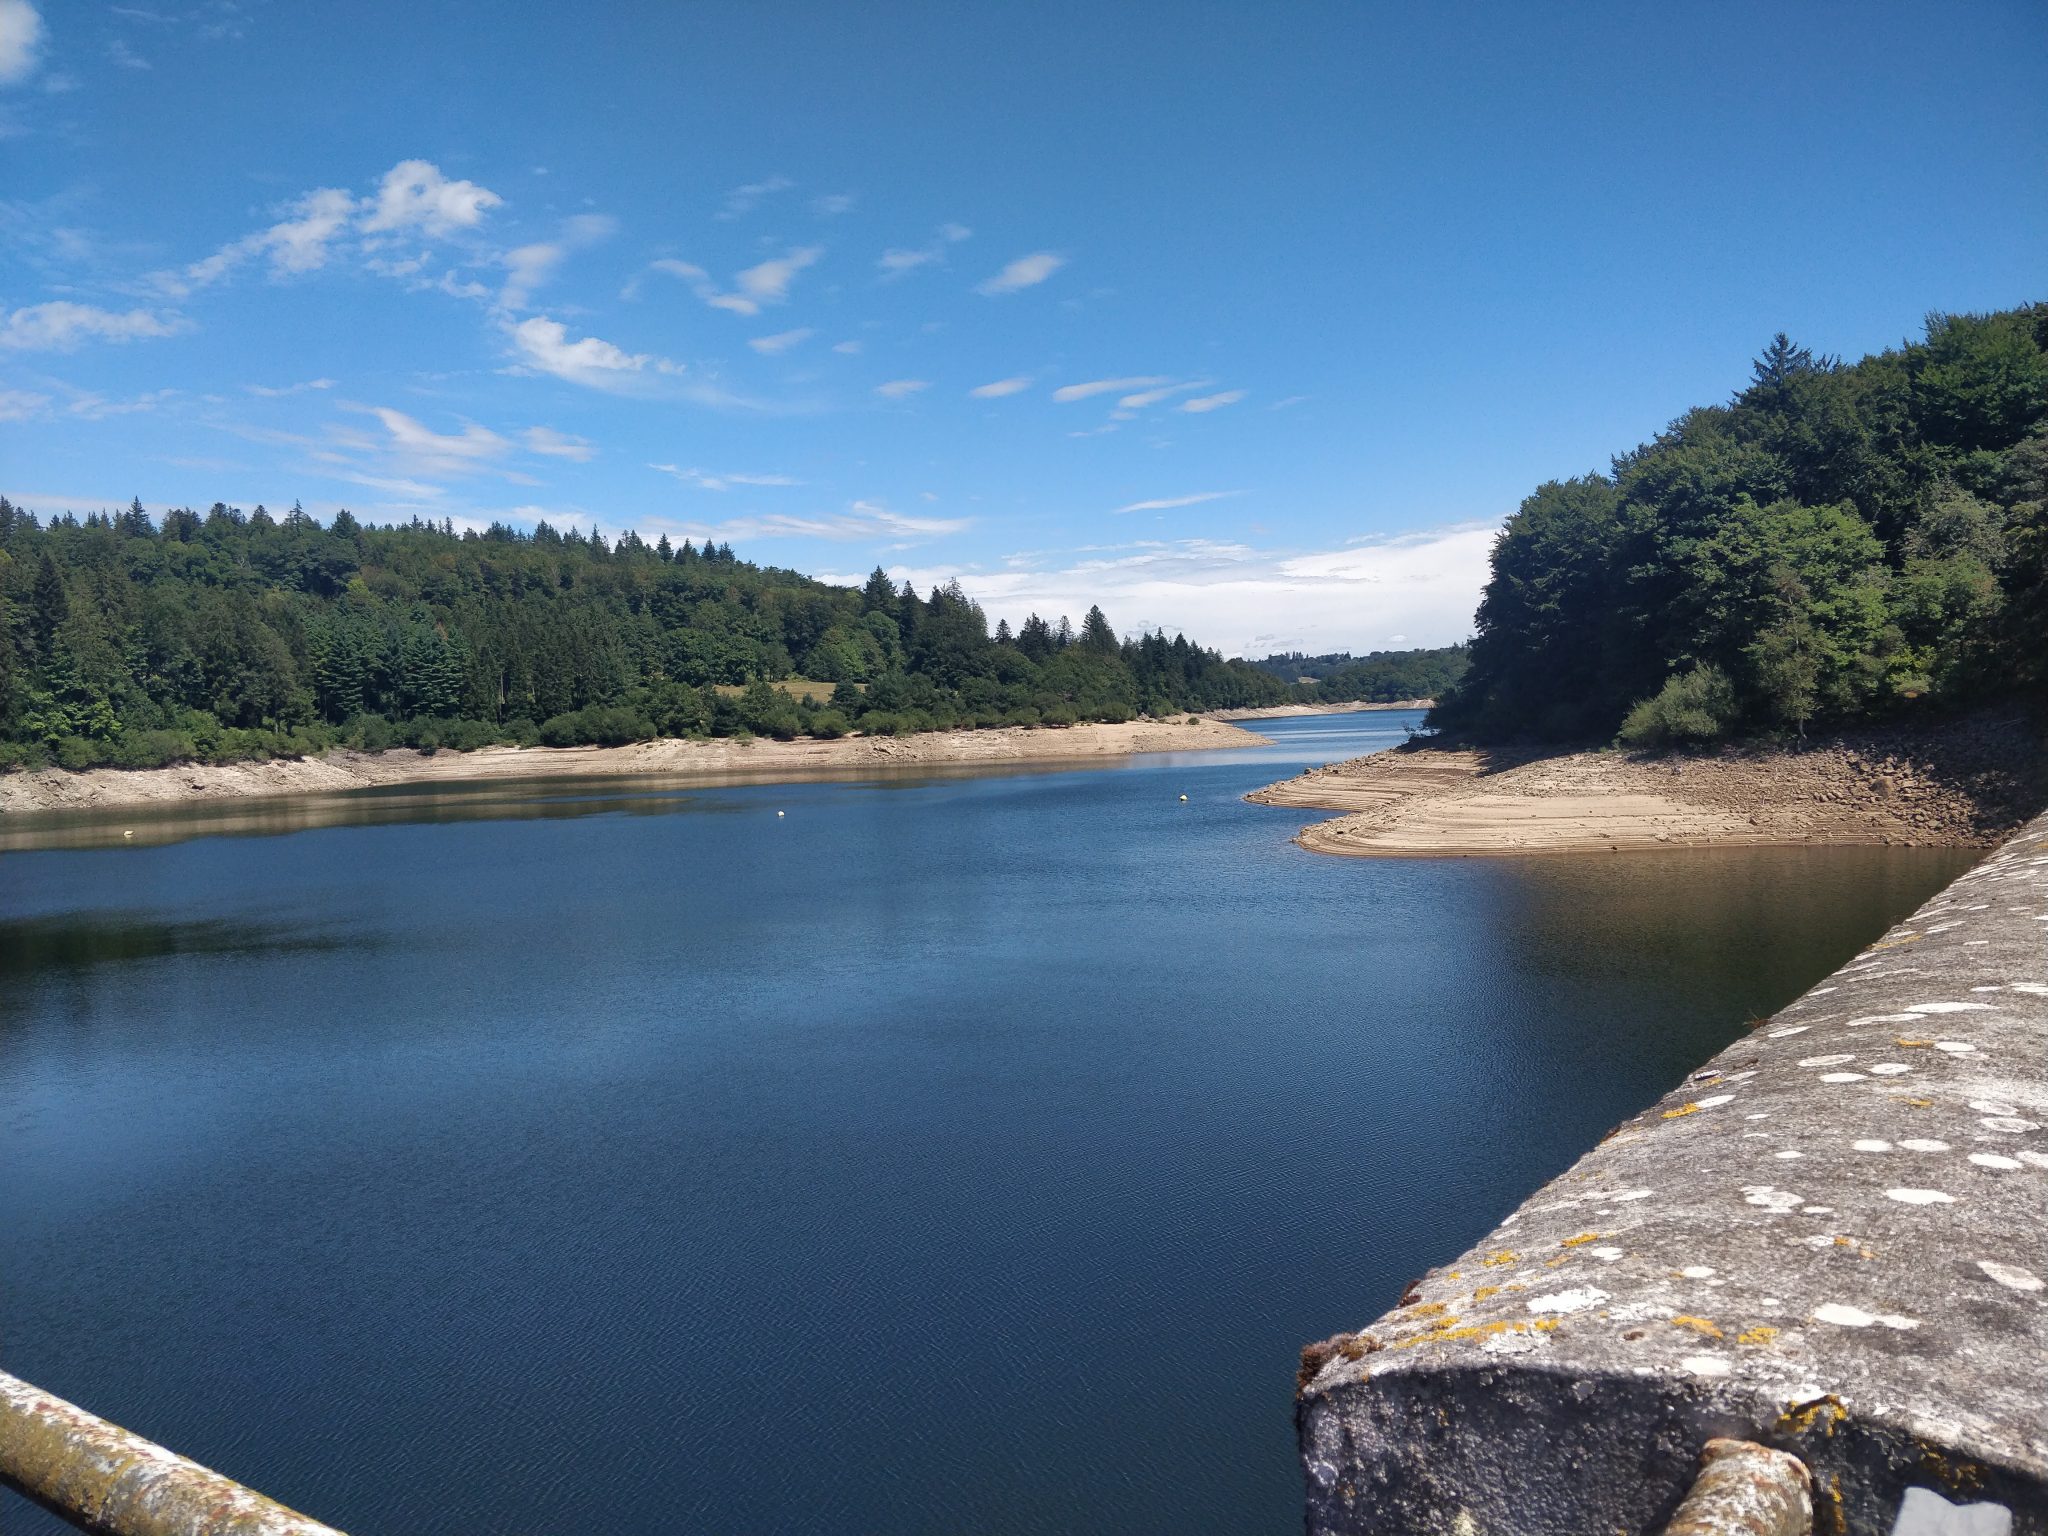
column 1282, row 711
column 53, row 789
column 1959, row 785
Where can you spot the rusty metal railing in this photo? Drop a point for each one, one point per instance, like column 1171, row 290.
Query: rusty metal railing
column 100, row 1477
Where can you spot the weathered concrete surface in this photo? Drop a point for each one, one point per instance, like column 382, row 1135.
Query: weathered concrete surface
column 1832, row 1239
column 100, row 1477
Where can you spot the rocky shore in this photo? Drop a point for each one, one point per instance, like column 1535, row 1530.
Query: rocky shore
column 1963, row 783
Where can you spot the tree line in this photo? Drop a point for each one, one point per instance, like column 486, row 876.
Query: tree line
column 135, row 640
column 1839, row 542
column 1378, row 677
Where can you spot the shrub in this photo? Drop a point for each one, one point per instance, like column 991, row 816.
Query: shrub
column 1695, row 706
column 1058, row 714
column 603, row 725
column 75, row 752
column 827, row 725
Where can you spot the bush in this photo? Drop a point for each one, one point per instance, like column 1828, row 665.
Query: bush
column 370, row 733
column 153, row 749
column 1696, row 706
column 1058, row 714
column 1023, row 715
column 603, row 725
column 75, row 752
column 827, row 725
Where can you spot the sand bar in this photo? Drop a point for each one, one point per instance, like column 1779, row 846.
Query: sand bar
column 722, row 761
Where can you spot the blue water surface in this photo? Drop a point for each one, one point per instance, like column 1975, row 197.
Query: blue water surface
column 948, row 1154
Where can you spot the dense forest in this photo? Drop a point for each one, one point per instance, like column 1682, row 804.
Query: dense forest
column 1840, row 542
column 1379, row 677
column 134, row 641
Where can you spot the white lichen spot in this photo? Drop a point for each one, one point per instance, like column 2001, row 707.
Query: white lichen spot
column 1827, row 1061
column 1920, row 1197
column 1788, row 1155
column 1855, row 1317
column 1925, row 1144
column 2011, row 1276
column 1888, row 1068
column 2037, row 988
column 1946, row 1007
column 1716, row 1101
column 2032, row 1158
column 1872, row 1144
column 1706, row 1365
column 2008, row 1125
column 1993, row 1160
column 1767, row 1197
column 1993, row 1107
column 1698, row 1271
column 1841, row 1077
column 1636, row 1194
column 1955, row 1047
column 1578, row 1299
column 1816, row 1210
column 1780, row 1034
column 1515, row 1343
column 1605, row 1255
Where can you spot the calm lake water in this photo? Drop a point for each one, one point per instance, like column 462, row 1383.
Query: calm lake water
column 952, row 1154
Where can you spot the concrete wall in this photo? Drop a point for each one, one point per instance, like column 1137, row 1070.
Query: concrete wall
column 1833, row 1239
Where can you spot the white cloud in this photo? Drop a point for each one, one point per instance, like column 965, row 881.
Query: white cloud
column 768, row 282
column 898, row 260
column 1139, row 402
column 1204, row 403
column 720, row 482
column 416, row 197
column 1248, row 601
column 276, row 392
column 743, row 200
column 94, row 407
column 532, row 265
column 1024, row 272
column 846, row 348
column 1067, row 393
column 62, row 326
column 121, row 54
column 782, row 341
column 559, row 445
column 833, row 204
column 1291, row 400
column 297, row 243
column 1165, row 503
column 21, row 40
column 1000, row 388
column 545, row 344
column 861, row 521
column 898, row 389
column 21, row 404
column 421, row 450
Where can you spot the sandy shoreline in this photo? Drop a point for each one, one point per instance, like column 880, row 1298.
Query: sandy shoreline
column 1285, row 711
column 1963, row 786
column 761, row 761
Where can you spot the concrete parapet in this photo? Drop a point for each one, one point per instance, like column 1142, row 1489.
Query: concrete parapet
column 1831, row 1240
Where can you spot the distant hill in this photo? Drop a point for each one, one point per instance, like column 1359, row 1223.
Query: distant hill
column 134, row 641
column 1379, row 677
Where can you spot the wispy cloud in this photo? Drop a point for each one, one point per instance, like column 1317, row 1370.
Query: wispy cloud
column 544, row 344
column 1024, row 272
column 21, row 40
column 1000, row 388
column 832, row 204
column 529, row 266
column 422, row 450
column 121, row 55
column 1068, row 393
column 899, row 260
column 1203, row 403
column 21, row 404
column 862, row 521
column 782, row 341
column 768, row 282
column 415, row 198
column 720, row 482
column 899, row 389
column 559, row 445
column 744, row 200
column 279, row 391
column 1167, row 503
column 62, row 326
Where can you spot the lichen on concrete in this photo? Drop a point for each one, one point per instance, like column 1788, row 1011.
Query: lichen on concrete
column 1832, row 1240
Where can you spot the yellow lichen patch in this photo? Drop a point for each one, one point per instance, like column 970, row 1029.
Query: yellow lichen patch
column 1918, row 1103
column 1823, row 1413
column 1912, row 1044
column 1959, row 1475
column 1454, row 1275
column 1697, row 1325
column 1911, row 938
column 1580, row 1240
column 1762, row 1333
column 1505, row 1256
column 1485, row 1291
column 1844, row 1242
column 1683, row 1109
column 1426, row 1308
column 1562, row 1258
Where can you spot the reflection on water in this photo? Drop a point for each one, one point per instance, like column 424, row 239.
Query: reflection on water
column 481, row 1158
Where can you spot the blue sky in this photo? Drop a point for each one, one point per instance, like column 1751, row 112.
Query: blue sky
column 1248, row 320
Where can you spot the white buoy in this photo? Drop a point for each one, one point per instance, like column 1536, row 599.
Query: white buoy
column 781, row 813
column 125, row 832
column 1183, row 799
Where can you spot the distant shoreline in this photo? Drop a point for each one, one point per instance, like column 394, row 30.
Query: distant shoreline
column 1964, row 784
column 1283, row 711
column 723, row 759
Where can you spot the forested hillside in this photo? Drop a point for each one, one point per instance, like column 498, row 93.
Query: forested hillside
column 137, row 641
column 1379, row 677
column 1840, row 542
